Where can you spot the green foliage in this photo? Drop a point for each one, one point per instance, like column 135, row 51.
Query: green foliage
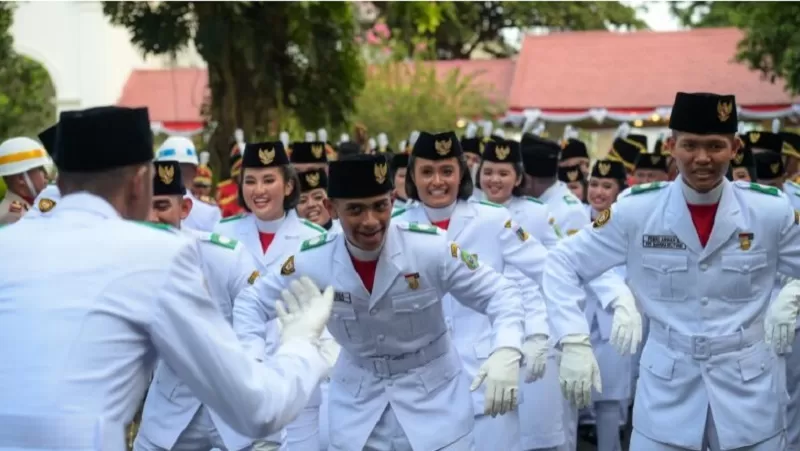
column 399, row 95
column 269, row 63
column 456, row 30
column 772, row 41
column 26, row 91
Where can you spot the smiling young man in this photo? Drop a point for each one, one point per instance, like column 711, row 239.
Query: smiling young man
column 701, row 254
column 398, row 377
column 314, row 205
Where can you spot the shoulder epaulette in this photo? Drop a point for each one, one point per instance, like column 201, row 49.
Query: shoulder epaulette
column 312, row 243
column 534, row 200
column 491, row 204
column 313, row 226
column 157, row 225
column 233, row 218
column 420, row 228
column 646, row 188
column 757, row 187
column 569, row 199
column 224, row 183
column 223, row 241
column 399, row 212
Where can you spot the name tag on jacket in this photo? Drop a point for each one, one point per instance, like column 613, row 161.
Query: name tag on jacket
column 662, row 242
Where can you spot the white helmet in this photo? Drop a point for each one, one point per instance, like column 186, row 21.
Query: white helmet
column 20, row 155
column 179, row 149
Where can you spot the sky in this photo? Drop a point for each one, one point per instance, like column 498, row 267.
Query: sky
column 657, row 16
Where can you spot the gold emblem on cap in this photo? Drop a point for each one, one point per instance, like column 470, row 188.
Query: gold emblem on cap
column 46, row 205
column 724, row 110
column 502, row 152
column 443, row 147
column 313, row 179
column 775, row 168
column 655, row 159
column 604, row 168
column 317, row 150
column 266, row 156
column 166, row 174
column 754, row 137
column 572, row 175
column 380, row 173
column 738, row 158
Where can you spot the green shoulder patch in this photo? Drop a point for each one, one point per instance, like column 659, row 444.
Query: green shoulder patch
column 223, row 241
column 491, row 204
column 763, row 189
column 420, row 228
column 233, row 218
column 646, row 187
column 534, row 200
column 315, row 242
column 157, row 225
column 398, row 212
column 314, row 226
column 569, row 199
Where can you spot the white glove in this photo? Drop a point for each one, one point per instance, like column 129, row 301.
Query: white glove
column 780, row 319
column 328, row 347
column 578, row 371
column 626, row 327
column 304, row 311
column 535, row 351
column 501, row 371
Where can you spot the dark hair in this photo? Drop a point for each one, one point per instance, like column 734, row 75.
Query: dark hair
column 289, row 175
column 519, row 170
column 465, row 186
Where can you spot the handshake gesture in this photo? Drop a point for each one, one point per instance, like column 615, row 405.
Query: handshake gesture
column 304, row 310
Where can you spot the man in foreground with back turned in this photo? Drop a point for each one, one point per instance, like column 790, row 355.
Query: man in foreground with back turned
column 701, row 255
column 89, row 323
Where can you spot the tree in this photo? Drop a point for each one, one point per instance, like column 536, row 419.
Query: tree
column 457, row 30
column 268, row 62
column 398, row 94
column 771, row 43
column 26, row 90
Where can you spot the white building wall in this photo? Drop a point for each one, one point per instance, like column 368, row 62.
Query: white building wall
column 89, row 59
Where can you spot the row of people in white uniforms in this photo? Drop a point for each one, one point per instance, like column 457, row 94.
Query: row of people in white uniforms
column 123, row 293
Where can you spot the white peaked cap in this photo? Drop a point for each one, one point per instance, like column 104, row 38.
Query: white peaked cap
column 20, row 155
column 179, row 149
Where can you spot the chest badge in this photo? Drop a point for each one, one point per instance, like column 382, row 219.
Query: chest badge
column 412, row 280
column 745, row 241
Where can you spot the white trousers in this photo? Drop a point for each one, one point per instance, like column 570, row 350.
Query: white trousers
column 793, row 386
column 388, row 435
column 500, row 432
column 199, row 435
column 710, row 442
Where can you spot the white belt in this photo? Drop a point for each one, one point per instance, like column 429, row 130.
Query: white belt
column 386, row 366
column 60, row 433
column 702, row 347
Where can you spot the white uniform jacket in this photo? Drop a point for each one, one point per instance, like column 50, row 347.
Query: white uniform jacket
column 570, row 216
column 88, row 325
column 203, row 215
column 44, row 202
column 497, row 241
column 395, row 347
column 705, row 304
column 228, row 268
column 292, row 232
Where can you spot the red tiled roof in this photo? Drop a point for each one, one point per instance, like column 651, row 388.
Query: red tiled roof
column 640, row 70
column 176, row 96
column 172, row 96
